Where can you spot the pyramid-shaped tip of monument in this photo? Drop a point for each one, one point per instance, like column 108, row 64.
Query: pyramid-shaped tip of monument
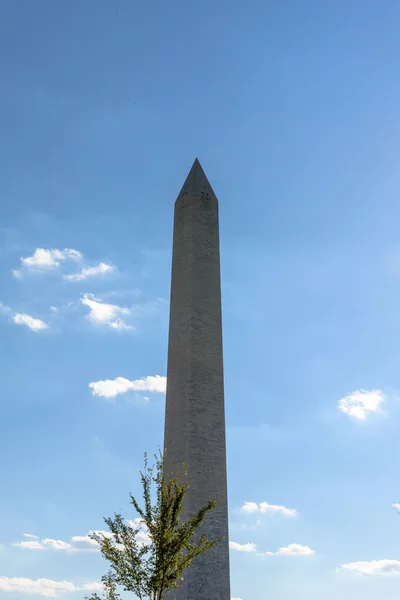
column 196, row 183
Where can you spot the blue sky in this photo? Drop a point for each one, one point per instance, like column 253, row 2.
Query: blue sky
column 293, row 110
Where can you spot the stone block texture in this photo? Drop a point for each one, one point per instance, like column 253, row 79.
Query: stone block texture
column 195, row 414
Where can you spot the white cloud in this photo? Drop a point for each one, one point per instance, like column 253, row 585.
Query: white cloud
column 264, row 507
column 54, row 309
column 59, row 545
column 250, row 547
column 120, row 324
column 250, row 507
column 31, row 322
column 361, row 403
column 295, row 550
column 236, row 599
column 373, row 567
column 78, row 543
column 31, row 536
column 31, row 545
column 84, row 543
column 45, row 544
column 47, row 260
column 105, row 314
column 396, row 507
column 56, row 544
column 109, row 388
column 100, row 269
column 43, row 587
column 291, row 550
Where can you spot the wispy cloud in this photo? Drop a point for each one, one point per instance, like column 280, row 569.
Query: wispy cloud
column 85, row 543
column 77, row 543
column 46, row 260
column 291, row 550
column 86, row 272
column 80, row 543
column 30, row 545
column 246, row 527
column 28, row 321
column 43, row 587
column 109, row 388
column 396, row 507
column 361, row 403
column 45, row 544
column 264, row 507
column 250, row 547
column 24, row 319
column 4, row 309
column 101, row 313
column 373, row 567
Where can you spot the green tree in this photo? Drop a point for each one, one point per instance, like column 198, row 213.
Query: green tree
column 150, row 570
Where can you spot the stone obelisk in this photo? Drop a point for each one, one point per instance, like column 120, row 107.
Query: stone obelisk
column 195, row 413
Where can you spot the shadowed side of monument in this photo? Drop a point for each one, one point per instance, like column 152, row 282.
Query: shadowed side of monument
column 195, row 413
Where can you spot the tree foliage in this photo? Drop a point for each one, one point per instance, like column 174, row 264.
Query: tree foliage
column 150, row 570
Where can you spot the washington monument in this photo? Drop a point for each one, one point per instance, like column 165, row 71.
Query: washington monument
column 195, row 413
